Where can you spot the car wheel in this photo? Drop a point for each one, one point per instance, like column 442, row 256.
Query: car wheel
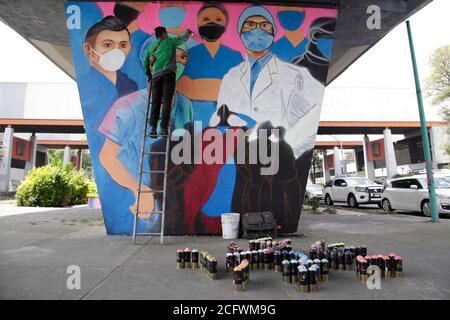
column 425, row 208
column 386, row 205
column 328, row 200
column 352, row 201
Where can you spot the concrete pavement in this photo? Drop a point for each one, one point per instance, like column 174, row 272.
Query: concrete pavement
column 37, row 248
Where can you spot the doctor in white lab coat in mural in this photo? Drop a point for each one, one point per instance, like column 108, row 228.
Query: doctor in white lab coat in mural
column 267, row 88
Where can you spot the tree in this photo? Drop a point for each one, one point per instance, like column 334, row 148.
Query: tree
column 438, row 83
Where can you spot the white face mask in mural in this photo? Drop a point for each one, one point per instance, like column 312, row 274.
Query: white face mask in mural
column 257, row 40
column 112, row 60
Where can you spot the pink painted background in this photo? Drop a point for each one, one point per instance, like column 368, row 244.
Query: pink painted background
column 149, row 19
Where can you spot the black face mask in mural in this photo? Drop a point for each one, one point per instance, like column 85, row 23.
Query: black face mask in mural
column 125, row 13
column 211, row 31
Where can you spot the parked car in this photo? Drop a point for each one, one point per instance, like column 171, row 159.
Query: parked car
column 313, row 191
column 354, row 191
column 411, row 194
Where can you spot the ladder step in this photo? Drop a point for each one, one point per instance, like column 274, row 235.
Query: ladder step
column 151, row 191
column 148, row 234
column 156, row 152
column 156, row 136
column 156, row 211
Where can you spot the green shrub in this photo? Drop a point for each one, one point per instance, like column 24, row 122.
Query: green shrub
column 52, row 186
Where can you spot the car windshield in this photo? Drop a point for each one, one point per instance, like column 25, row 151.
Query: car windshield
column 355, row 181
column 314, row 187
column 439, row 183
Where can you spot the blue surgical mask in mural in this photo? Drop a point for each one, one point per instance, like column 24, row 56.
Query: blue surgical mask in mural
column 291, row 20
column 325, row 47
column 172, row 17
column 257, row 40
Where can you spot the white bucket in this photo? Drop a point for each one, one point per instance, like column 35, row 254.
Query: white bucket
column 230, row 225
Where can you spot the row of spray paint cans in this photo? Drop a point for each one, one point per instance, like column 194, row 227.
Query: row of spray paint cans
column 391, row 266
column 193, row 259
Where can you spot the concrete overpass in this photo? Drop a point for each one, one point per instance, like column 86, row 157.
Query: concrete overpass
column 42, row 23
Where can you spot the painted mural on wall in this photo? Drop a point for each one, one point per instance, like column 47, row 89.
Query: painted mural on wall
column 246, row 67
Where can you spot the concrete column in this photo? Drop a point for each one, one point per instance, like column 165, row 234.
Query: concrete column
column 368, row 165
column 30, row 164
column 338, row 163
column 326, row 172
column 5, row 165
column 80, row 159
column 66, row 158
column 389, row 152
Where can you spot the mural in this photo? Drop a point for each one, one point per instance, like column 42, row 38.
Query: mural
column 250, row 78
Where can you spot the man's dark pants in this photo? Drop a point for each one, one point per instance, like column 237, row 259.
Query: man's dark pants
column 163, row 89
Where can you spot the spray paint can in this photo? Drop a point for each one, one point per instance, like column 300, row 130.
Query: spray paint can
column 348, row 260
column 251, row 245
column 237, row 278
column 333, row 260
column 277, row 260
column 313, row 284
column 271, row 257
column 203, row 256
column 324, row 270
column 340, row 259
column 229, row 262
column 363, row 269
column 195, row 259
column 255, row 260
column 187, row 258
column 286, row 255
column 212, row 268
column 392, row 264
column 292, row 255
column 312, row 253
column 294, row 272
column 364, row 250
column 260, row 258
column 286, row 271
column 303, row 279
column 245, row 273
column 180, row 259
column 398, row 266
column 387, row 273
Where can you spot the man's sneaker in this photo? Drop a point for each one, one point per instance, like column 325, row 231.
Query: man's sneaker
column 152, row 132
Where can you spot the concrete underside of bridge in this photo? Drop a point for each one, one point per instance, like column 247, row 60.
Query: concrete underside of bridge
column 42, row 23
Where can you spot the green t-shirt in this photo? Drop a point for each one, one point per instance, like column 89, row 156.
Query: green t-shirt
column 165, row 54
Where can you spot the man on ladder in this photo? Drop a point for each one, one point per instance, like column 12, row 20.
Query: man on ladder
column 160, row 67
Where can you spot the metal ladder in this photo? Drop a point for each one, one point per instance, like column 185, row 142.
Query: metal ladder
column 141, row 172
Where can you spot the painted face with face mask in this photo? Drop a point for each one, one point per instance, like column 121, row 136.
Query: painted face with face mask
column 172, row 17
column 291, row 19
column 257, row 33
column 211, row 23
column 110, row 49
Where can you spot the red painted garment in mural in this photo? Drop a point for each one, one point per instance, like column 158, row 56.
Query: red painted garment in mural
column 200, row 186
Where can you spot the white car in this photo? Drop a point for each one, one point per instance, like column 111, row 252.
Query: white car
column 354, row 191
column 411, row 194
column 313, row 191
